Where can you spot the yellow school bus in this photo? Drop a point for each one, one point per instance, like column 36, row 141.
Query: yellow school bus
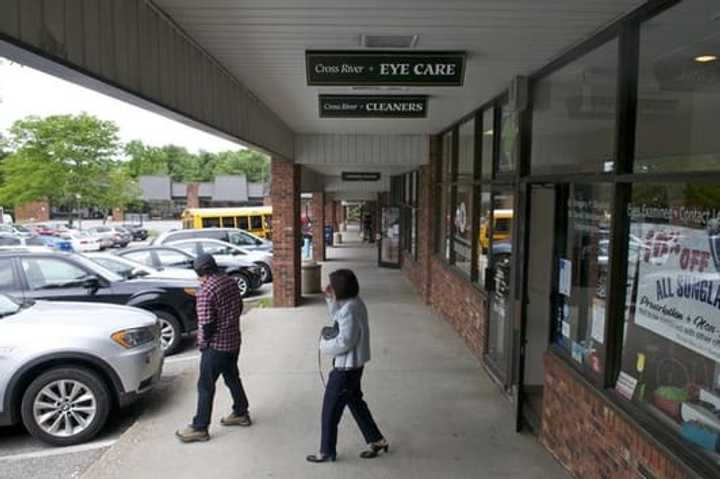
column 502, row 230
column 255, row 219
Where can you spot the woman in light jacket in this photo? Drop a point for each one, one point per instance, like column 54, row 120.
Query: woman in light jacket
column 351, row 350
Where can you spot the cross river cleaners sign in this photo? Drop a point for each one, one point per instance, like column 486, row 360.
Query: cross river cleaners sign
column 385, row 68
column 373, row 106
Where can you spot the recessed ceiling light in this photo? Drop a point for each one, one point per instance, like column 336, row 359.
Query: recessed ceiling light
column 488, row 132
column 706, row 58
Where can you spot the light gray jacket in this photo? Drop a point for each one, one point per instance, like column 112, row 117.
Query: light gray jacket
column 351, row 347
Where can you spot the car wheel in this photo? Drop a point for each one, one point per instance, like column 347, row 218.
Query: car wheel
column 65, row 406
column 243, row 283
column 265, row 272
column 170, row 332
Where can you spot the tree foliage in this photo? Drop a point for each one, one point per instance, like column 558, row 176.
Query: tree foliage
column 70, row 160
column 184, row 166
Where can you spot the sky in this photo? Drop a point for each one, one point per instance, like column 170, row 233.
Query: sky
column 25, row 91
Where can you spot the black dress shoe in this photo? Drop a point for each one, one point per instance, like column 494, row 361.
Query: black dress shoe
column 375, row 448
column 321, row 457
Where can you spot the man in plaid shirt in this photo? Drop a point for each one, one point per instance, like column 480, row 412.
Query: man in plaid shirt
column 219, row 305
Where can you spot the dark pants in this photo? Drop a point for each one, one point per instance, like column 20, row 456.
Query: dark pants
column 343, row 389
column 213, row 363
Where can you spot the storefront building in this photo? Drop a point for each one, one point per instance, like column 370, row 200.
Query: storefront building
column 569, row 230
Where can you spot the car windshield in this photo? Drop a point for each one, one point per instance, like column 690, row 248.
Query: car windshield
column 8, row 306
column 97, row 269
column 22, row 229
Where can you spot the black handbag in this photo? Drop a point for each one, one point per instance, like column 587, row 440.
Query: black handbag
column 330, row 332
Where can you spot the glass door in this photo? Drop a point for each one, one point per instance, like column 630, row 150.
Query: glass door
column 389, row 244
column 499, row 275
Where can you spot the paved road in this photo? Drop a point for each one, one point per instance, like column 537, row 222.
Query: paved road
column 22, row 457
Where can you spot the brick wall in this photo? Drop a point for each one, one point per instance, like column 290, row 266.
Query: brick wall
column 317, row 217
column 445, row 290
column 286, row 232
column 460, row 303
column 33, row 211
column 193, row 195
column 590, row 438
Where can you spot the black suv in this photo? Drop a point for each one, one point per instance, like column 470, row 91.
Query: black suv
column 56, row 276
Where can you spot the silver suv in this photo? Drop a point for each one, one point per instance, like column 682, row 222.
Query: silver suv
column 63, row 366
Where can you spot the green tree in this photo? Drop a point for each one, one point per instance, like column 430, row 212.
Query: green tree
column 254, row 165
column 63, row 158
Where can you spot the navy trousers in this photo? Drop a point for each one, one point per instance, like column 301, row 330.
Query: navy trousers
column 344, row 389
column 214, row 363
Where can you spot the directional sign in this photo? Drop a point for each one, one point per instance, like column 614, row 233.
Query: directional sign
column 373, row 106
column 360, row 176
column 385, row 68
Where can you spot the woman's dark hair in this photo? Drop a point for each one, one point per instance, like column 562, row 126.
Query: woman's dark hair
column 344, row 283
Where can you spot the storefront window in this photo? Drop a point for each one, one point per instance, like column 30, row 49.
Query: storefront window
column 466, row 151
column 462, row 242
column 445, row 189
column 483, row 238
column 509, row 141
column 679, row 90
column 671, row 352
column 582, row 276
column 487, row 142
column 573, row 124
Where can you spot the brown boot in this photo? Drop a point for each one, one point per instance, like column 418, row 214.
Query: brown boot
column 190, row 434
column 235, row 420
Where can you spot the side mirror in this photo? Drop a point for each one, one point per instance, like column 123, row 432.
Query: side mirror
column 92, row 283
column 137, row 273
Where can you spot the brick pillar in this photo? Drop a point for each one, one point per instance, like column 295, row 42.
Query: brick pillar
column 427, row 215
column 118, row 215
column 317, row 217
column 193, row 195
column 332, row 215
column 286, row 232
column 337, row 208
column 33, row 211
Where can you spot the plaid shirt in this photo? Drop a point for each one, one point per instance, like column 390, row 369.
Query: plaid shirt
column 219, row 306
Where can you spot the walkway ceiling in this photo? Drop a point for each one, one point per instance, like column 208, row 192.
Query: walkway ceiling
column 263, row 42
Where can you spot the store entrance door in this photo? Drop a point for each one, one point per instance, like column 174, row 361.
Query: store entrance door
column 389, row 244
column 500, row 303
column 536, row 325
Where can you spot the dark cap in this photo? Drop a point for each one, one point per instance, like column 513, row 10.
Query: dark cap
column 205, row 265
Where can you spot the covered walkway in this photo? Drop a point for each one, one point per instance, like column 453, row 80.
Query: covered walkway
column 442, row 415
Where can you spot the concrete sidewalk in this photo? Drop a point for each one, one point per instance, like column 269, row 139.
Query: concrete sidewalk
column 442, row 415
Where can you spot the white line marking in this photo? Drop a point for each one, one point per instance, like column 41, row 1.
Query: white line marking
column 182, row 358
column 59, row 451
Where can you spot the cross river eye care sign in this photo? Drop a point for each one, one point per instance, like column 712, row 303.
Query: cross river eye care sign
column 385, row 68
column 373, row 106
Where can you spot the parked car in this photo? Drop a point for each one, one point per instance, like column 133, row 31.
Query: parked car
column 13, row 240
column 18, row 230
column 65, row 365
column 57, row 243
column 82, row 241
column 33, row 275
column 246, row 274
column 109, row 235
column 139, row 233
column 225, row 253
column 234, row 236
column 130, row 269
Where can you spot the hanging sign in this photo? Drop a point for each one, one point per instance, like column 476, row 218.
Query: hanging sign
column 373, row 106
column 360, row 176
column 414, row 68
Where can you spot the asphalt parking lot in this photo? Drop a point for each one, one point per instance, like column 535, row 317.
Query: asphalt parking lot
column 22, row 457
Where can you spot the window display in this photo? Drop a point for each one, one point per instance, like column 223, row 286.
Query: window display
column 488, row 147
column 582, row 275
column 671, row 353
column 462, row 238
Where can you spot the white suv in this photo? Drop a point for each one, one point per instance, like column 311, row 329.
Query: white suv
column 64, row 365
